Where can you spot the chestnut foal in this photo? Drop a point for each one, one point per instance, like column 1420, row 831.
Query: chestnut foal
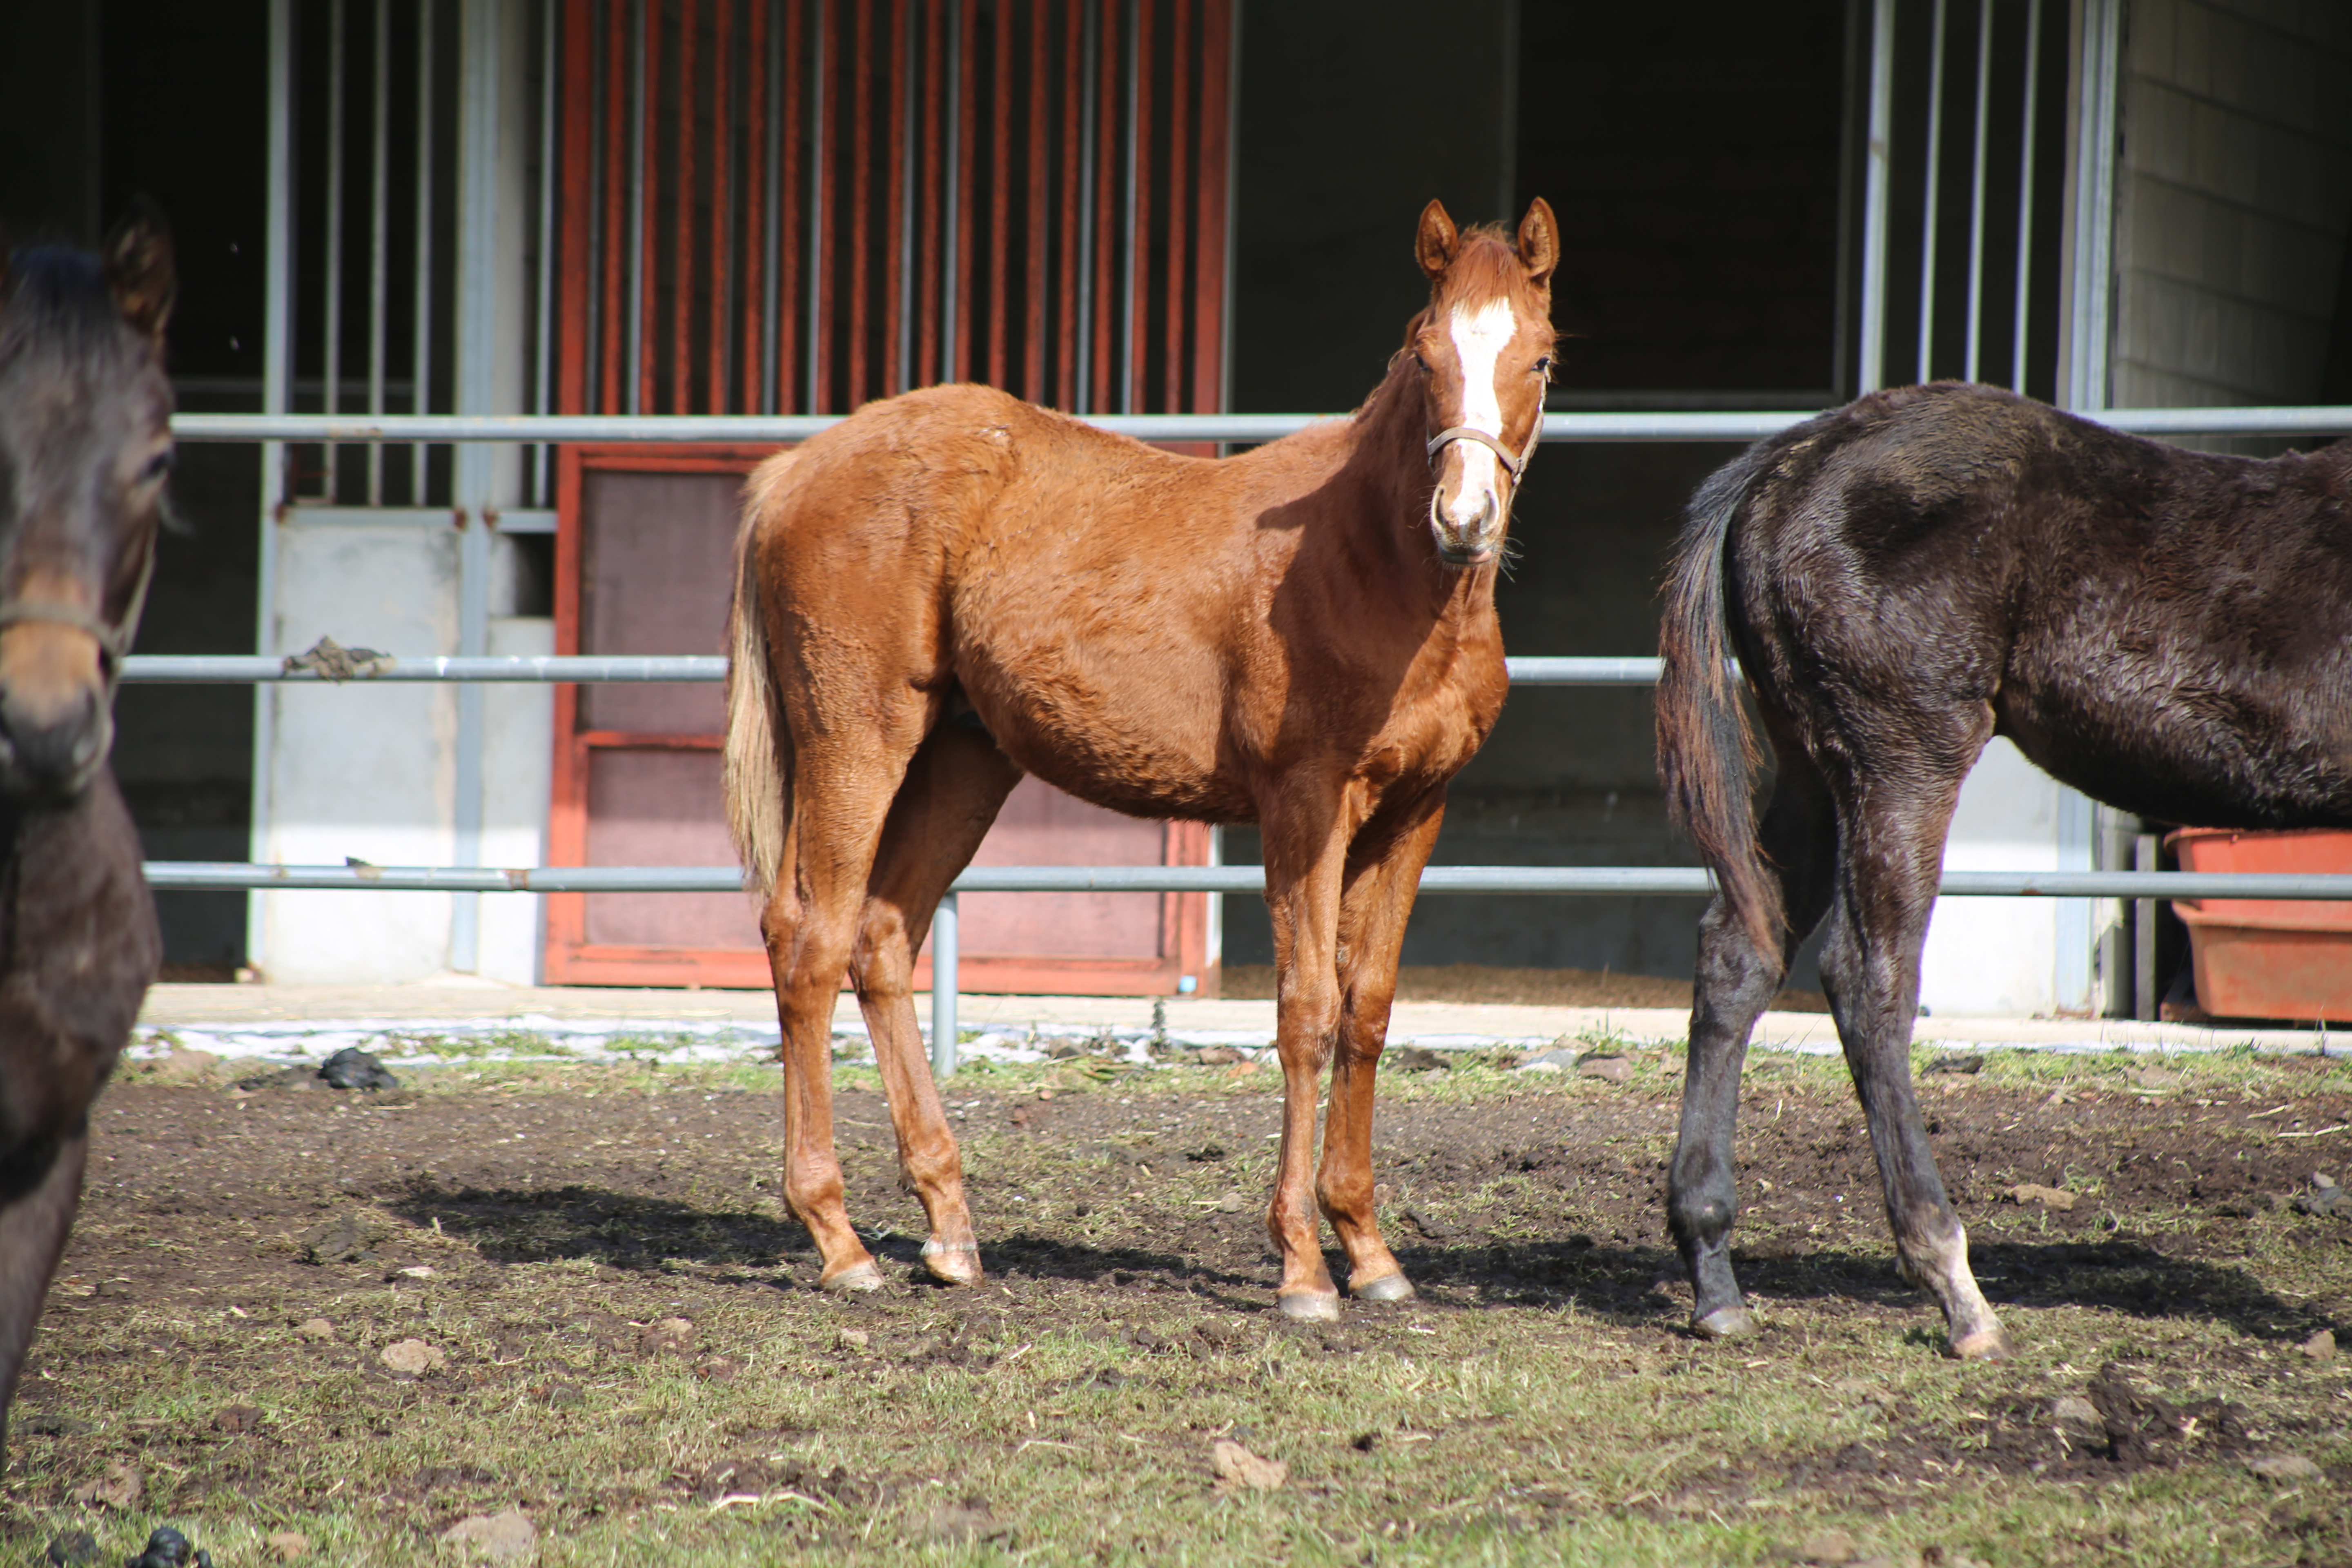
column 953, row 587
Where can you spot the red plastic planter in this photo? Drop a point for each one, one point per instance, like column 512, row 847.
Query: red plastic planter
column 2268, row 958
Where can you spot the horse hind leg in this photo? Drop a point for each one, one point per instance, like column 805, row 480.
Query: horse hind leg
column 1735, row 982
column 1889, row 866
column 952, row 792
column 34, row 1222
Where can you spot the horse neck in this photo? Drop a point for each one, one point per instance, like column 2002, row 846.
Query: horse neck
column 1385, row 478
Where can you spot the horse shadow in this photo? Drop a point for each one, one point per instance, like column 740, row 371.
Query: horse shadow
column 1630, row 1285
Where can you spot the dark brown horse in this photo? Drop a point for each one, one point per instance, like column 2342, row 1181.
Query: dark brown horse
column 953, row 587
column 1901, row 580
column 85, row 447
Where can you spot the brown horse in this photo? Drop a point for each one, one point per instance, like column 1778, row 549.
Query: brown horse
column 1903, row 579
column 953, row 587
column 85, row 447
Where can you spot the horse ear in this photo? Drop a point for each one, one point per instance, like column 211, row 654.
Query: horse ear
column 139, row 267
column 1540, row 241
column 1433, row 245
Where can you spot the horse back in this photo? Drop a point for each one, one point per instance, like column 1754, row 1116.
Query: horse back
column 2168, row 631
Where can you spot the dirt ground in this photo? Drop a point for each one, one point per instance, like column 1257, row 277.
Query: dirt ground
column 620, row 1337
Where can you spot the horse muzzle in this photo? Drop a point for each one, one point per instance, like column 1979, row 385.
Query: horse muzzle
column 1474, row 544
column 57, row 724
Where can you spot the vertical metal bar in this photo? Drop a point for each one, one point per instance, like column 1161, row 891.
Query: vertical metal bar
column 1229, row 159
column 860, row 346
column 2144, row 996
column 540, row 467
column 1507, row 160
column 682, row 190
column 1872, row 369
column 1976, row 189
column 1841, row 325
column 1180, row 137
column 820, row 233
column 420, row 353
column 1081, row 218
column 955, row 325
column 1933, row 205
column 276, row 352
column 480, row 80
column 1000, row 195
column 2017, row 366
column 2090, row 273
column 1038, row 204
column 1138, row 106
column 640, row 235
column 581, row 178
column 379, row 242
column 722, row 208
column 333, row 282
column 902, row 199
column 943, row 987
column 927, row 287
column 1216, row 166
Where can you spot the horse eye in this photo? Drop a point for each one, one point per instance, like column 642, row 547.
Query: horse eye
column 1543, row 364
column 157, row 466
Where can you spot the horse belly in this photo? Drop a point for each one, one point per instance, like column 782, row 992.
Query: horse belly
column 1135, row 735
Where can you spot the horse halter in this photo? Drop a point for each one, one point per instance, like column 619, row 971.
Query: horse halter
column 1513, row 464
column 113, row 640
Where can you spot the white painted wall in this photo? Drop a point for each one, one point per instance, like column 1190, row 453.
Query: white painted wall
column 368, row 771
column 1993, row 956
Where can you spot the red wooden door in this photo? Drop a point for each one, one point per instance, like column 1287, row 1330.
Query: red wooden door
column 795, row 205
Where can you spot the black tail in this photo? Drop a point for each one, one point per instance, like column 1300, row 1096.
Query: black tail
column 1706, row 752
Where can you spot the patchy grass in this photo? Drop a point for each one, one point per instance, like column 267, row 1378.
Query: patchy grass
column 1542, row 1402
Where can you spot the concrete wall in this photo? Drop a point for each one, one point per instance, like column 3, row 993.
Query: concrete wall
column 2235, row 200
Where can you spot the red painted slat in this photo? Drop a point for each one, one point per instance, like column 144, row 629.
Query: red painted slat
column 1106, row 121
column 790, row 239
column 1000, row 197
column 967, row 197
column 578, row 88
column 1037, row 202
column 722, row 213
column 1180, row 139
column 1073, row 66
column 1208, row 271
column 1139, row 243
column 926, row 275
column 686, row 101
column 647, row 340
column 860, row 347
column 616, row 157
column 756, row 259
column 893, row 228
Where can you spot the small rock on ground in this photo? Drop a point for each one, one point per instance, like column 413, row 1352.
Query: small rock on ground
column 352, row 1067
column 1414, row 1059
column 121, row 1487
column 971, row 1520
column 669, row 1336
column 73, row 1548
column 1561, row 1059
column 508, row 1537
column 1235, row 1465
column 2321, row 1346
column 315, row 1329
column 414, row 1357
column 2035, row 1193
column 167, row 1548
column 2072, row 1410
column 1428, row 1224
column 347, row 1238
column 2284, row 1468
column 1955, row 1061
column 287, row 1545
column 1828, row 1546
column 1606, row 1066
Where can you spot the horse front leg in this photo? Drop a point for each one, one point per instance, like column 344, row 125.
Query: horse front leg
column 1735, row 982
column 1373, row 914
column 1870, row 968
column 32, row 1227
column 1302, row 871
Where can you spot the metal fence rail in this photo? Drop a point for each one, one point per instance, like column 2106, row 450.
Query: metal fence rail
column 246, row 668
column 1736, row 425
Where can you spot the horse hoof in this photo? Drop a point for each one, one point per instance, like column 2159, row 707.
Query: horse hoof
column 1985, row 1344
column 856, row 1276
column 1387, row 1288
column 1309, row 1306
column 1724, row 1323
column 953, row 1265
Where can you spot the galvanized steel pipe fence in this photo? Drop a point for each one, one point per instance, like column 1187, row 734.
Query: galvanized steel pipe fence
column 1600, row 881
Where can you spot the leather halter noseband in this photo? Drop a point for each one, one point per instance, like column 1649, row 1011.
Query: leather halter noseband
column 115, row 640
column 1512, row 464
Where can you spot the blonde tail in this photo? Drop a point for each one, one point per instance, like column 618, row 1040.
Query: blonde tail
column 754, row 774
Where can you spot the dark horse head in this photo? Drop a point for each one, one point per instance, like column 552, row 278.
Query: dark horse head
column 85, row 448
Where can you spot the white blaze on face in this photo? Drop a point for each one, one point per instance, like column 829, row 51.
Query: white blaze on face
column 1479, row 338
